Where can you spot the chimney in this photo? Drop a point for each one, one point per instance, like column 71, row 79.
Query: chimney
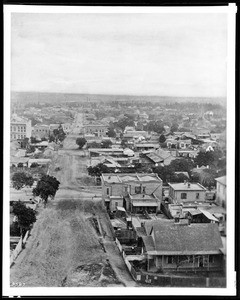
column 185, row 181
column 197, row 167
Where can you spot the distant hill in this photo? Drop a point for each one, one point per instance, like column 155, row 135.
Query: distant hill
column 35, row 97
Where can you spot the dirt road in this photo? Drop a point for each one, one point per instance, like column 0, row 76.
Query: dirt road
column 64, row 248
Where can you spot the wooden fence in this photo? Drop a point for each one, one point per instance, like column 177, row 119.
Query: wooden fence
column 18, row 248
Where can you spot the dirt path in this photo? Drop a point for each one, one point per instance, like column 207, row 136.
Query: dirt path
column 63, row 243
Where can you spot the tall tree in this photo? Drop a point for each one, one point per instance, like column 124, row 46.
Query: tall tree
column 46, row 186
column 81, row 142
column 162, row 139
column 106, row 144
column 25, row 216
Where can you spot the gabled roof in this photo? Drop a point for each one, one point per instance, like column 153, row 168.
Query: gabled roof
column 221, row 180
column 172, row 238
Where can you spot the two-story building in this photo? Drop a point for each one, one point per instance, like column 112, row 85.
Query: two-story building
column 20, row 128
column 40, row 131
column 134, row 192
column 186, row 192
column 97, row 129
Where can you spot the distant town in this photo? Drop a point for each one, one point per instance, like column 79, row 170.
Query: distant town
column 117, row 191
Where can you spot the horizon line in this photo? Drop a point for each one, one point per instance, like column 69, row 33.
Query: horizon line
column 110, row 94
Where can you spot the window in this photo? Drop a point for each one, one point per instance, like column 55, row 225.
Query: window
column 197, row 195
column 108, row 191
column 18, row 129
column 170, row 259
column 137, row 189
column 126, row 189
column 144, row 189
column 183, row 195
column 116, row 204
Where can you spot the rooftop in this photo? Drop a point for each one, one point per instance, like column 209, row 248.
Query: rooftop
column 122, row 178
column 187, row 186
column 221, row 180
column 186, row 239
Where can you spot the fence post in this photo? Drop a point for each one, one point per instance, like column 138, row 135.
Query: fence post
column 207, row 281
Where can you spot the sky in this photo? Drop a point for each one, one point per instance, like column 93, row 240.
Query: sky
column 131, row 54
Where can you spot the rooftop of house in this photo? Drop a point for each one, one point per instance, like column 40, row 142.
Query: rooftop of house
column 123, row 178
column 173, row 238
column 221, row 180
column 154, row 157
column 187, row 186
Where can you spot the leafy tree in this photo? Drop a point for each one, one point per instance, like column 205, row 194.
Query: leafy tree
column 124, row 143
column 34, row 165
column 111, row 133
column 205, row 158
column 59, row 134
column 81, row 142
column 156, row 126
column 34, row 140
column 30, row 149
column 179, row 177
column 20, row 165
column 106, row 144
column 206, row 178
column 166, row 173
column 24, row 143
column 162, row 138
column 182, row 164
column 174, row 127
column 123, row 122
column 98, row 170
column 25, row 216
column 21, row 179
column 93, row 145
column 46, row 186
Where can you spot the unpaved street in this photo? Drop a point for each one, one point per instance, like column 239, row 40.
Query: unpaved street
column 64, row 248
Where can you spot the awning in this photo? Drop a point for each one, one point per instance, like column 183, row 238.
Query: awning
column 140, row 203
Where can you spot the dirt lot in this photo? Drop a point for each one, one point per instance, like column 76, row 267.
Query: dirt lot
column 64, row 248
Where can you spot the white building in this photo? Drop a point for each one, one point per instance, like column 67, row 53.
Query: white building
column 20, row 128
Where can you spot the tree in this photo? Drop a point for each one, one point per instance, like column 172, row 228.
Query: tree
column 162, row 139
column 174, row 127
column 205, row 158
column 46, row 186
column 182, row 164
column 20, row 165
column 25, row 216
column 33, row 140
column 111, row 133
column 81, row 142
column 59, row 134
column 34, row 165
column 98, row 170
column 21, row 179
column 106, row 144
column 93, row 145
column 30, row 149
column 166, row 173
